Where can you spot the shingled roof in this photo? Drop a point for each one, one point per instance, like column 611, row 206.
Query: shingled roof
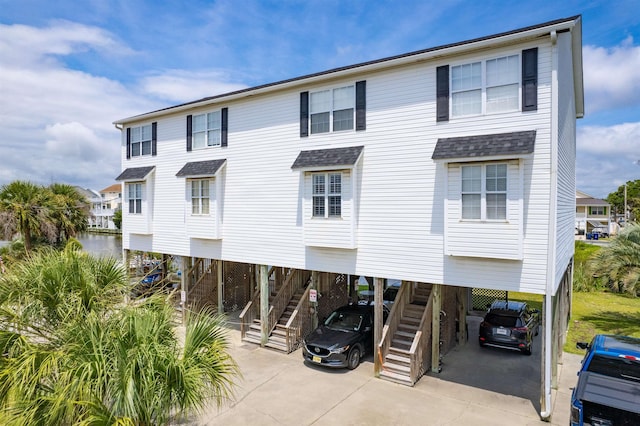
column 332, row 158
column 135, row 173
column 501, row 144
column 201, row 168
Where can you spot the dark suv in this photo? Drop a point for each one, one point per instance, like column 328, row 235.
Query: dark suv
column 509, row 325
column 344, row 337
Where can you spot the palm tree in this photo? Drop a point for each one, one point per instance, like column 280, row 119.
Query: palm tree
column 23, row 209
column 76, row 352
column 618, row 264
column 69, row 210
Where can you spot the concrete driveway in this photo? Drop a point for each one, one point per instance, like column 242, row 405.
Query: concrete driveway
column 477, row 386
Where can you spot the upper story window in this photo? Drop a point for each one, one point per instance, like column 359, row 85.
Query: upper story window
column 484, row 192
column 486, row 87
column 332, row 110
column 598, row 210
column 327, row 194
column 134, row 195
column 141, row 140
column 200, row 197
column 207, row 130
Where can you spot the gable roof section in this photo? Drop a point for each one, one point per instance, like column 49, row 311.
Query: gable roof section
column 201, row 168
column 514, row 144
column 573, row 24
column 135, row 173
column 116, row 187
column 591, row 202
column 333, row 158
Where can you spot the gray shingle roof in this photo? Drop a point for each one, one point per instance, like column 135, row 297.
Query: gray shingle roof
column 135, row 173
column 514, row 143
column 333, row 157
column 201, row 168
column 591, row 202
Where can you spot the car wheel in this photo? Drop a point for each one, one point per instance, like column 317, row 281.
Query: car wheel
column 354, row 358
column 527, row 350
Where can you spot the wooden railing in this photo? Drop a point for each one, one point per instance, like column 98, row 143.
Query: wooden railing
column 294, row 281
column 201, row 283
column 299, row 323
column 403, row 298
column 251, row 310
column 421, row 344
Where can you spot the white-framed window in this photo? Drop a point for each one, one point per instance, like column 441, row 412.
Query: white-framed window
column 200, row 196
column 134, row 195
column 486, row 87
column 207, row 130
column 484, row 191
column 327, row 194
column 598, row 210
column 141, row 140
column 332, row 110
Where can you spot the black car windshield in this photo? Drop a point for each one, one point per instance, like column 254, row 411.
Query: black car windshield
column 501, row 320
column 344, row 321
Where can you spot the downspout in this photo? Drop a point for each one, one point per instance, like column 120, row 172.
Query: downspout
column 545, row 413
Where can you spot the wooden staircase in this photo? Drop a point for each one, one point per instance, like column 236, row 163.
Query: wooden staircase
column 278, row 337
column 402, row 355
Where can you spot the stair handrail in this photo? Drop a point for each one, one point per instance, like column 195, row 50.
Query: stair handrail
column 421, row 342
column 249, row 313
column 297, row 325
column 393, row 320
column 279, row 303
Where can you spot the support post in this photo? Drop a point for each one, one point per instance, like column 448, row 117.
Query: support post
column 315, row 284
column 184, row 285
column 436, row 289
column 263, row 283
column 219, row 265
column 378, row 322
column 462, row 315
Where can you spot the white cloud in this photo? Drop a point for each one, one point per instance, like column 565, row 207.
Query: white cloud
column 606, row 157
column 611, row 76
column 183, row 86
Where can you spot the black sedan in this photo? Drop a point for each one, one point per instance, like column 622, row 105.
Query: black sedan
column 344, row 337
column 510, row 325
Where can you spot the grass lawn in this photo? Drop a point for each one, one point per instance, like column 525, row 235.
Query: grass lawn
column 594, row 313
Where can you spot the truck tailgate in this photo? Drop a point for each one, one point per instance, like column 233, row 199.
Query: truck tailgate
column 609, row 391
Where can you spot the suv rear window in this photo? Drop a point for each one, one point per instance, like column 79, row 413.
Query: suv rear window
column 615, row 367
column 501, row 320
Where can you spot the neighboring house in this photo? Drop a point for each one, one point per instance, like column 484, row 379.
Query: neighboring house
column 110, row 202
column 95, row 202
column 452, row 166
column 592, row 214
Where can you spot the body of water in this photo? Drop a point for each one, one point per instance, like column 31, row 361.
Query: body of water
column 97, row 244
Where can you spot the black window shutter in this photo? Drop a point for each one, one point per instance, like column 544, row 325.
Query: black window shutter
column 225, row 126
column 530, row 79
column 304, row 114
column 128, row 142
column 189, row 132
column 361, row 105
column 442, row 93
column 154, row 138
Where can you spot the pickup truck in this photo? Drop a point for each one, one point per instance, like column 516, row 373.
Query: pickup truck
column 608, row 389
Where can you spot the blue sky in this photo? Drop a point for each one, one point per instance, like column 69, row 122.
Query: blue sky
column 68, row 69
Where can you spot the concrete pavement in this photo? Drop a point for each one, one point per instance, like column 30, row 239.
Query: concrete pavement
column 280, row 389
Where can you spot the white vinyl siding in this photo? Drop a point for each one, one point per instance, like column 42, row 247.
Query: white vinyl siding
column 395, row 211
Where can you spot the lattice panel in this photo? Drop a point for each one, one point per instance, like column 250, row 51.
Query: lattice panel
column 481, row 297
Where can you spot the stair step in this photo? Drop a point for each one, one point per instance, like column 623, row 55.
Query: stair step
column 399, row 359
column 395, row 377
column 413, row 328
column 401, row 343
column 399, row 351
column 404, row 334
column 275, row 345
column 397, row 368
